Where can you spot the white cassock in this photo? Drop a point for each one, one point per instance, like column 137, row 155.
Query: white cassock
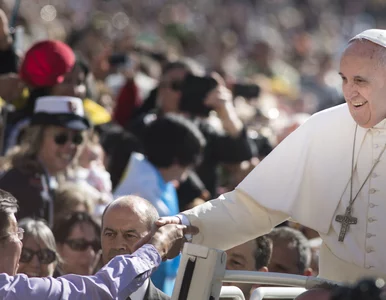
column 307, row 178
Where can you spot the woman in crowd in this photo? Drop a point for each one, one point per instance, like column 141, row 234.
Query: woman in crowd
column 70, row 198
column 38, row 256
column 78, row 243
column 49, row 147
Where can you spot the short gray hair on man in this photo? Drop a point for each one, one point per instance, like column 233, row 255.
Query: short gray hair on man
column 146, row 209
column 39, row 231
column 297, row 241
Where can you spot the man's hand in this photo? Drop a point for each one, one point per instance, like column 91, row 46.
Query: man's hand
column 167, row 239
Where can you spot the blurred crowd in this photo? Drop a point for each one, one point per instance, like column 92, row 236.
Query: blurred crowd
column 171, row 101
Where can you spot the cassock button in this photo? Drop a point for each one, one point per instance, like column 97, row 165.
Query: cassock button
column 369, row 249
column 372, row 191
column 374, row 175
column 371, row 220
column 369, row 235
column 372, row 205
column 369, row 267
column 376, row 146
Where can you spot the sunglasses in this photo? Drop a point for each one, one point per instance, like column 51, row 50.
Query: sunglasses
column 45, row 256
column 62, row 138
column 82, row 244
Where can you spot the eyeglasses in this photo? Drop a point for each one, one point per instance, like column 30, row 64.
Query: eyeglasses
column 19, row 234
column 62, row 138
column 82, row 244
column 45, row 256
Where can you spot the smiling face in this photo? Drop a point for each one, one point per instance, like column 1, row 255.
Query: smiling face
column 57, row 157
column 363, row 75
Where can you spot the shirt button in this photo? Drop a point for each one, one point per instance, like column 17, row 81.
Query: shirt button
column 372, row 191
column 371, row 220
column 369, row 267
column 376, row 161
column 376, row 146
column 369, row 235
column 369, row 250
column 374, row 175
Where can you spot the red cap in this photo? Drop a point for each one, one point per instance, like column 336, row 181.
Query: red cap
column 46, row 63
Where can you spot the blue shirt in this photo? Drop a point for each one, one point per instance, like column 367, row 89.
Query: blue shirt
column 143, row 179
column 122, row 276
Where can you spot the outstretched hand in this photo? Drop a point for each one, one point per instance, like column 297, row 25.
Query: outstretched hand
column 167, row 239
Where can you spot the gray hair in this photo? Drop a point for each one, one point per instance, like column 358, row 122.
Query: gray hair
column 298, row 241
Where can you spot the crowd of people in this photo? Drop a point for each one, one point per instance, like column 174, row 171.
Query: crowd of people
column 116, row 114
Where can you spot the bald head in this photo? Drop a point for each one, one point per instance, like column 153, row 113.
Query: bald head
column 140, row 207
column 124, row 222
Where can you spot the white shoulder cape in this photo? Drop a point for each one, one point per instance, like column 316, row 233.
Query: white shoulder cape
column 306, row 174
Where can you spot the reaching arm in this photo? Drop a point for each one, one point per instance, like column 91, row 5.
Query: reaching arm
column 117, row 280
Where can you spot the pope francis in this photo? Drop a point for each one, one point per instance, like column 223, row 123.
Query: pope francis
column 328, row 175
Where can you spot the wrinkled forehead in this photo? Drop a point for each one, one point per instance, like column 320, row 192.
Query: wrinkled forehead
column 362, row 47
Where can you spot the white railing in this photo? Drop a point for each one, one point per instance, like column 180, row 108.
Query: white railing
column 202, row 272
column 276, row 293
column 231, row 292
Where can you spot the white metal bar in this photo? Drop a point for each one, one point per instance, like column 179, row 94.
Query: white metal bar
column 276, row 293
column 271, row 278
column 232, row 292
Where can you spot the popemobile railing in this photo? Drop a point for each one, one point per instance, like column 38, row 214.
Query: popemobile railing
column 202, row 272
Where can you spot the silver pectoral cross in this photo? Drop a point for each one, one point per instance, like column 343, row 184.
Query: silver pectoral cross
column 346, row 221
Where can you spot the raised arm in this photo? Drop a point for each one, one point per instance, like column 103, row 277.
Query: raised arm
column 117, row 280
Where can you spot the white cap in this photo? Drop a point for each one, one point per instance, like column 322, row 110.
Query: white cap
column 59, row 105
column 377, row 36
column 62, row 111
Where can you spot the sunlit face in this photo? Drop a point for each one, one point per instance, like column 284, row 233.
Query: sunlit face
column 10, row 248
column 80, row 261
column 364, row 83
column 56, row 157
column 122, row 228
column 36, row 267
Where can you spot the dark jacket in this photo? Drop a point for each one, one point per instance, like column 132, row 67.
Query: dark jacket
column 152, row 293
column 33, row 197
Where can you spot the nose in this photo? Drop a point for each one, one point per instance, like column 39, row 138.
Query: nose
column 121, row 244
column 350, row 91
column 35, row 261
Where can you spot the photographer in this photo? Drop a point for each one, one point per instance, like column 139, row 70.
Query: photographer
column 227, row 142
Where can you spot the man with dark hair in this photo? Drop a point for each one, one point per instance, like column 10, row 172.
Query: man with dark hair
column 291, row 252
column 228, row 133
column 124, row 222
column 172, row 146
column 120, row 278
column 253, row 255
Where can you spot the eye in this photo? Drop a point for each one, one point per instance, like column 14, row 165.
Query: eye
column 109, row 234
column 130, row 236
column 235, row 262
